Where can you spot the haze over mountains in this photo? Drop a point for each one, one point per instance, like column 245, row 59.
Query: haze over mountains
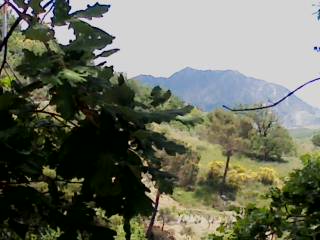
column 210, row 89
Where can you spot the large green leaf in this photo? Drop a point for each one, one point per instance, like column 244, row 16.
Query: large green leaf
column 61, row 12
column 159, row 96
column 71, row 76
column 36, row 6
column 63, row 98
column 89, row 38
column 94, row 11
column 121, row 95
column 149, row 139
column 39, row 32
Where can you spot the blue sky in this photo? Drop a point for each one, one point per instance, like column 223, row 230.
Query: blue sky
column 268, row 39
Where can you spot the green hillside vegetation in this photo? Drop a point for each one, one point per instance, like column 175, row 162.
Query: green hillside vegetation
column 213, row 153
column 197, row 173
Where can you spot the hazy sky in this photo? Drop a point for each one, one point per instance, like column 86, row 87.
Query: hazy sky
column 271, row 40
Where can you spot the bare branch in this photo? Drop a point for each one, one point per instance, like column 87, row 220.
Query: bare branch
column 48, row 4
column 13, row 73
column 273, row 104
column 23, row 15
column 46, row 14
column 4, row 60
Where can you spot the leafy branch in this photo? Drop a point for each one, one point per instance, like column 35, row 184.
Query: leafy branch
column 110, row 147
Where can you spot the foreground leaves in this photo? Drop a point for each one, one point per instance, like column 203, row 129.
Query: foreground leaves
column 82, row 123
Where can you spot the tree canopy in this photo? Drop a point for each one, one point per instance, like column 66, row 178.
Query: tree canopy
column 269, row 140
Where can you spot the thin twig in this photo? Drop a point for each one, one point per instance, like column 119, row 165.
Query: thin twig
column 50, row 9
column 45, row 107
column 23, row 15
column 56, row 116
column 8, row 75
column 13, row 73
column 48, row 3
column 273, row 104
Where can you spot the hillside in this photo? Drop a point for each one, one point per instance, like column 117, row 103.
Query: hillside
column 201, row 208
column 210, row 89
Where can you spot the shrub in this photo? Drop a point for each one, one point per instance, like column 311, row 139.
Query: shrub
column 183, row 166
column 267, row 176
column 239, row 176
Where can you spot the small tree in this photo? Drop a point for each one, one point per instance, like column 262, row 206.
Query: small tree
column 225, row 130
column 183, row 166
column 165, row 215
column 269, row 140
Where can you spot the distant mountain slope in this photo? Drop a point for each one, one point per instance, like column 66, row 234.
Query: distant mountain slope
column 211, row 89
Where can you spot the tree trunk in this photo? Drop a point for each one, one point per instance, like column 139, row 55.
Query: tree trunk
column 127, row 228
column 153, row 217
column 225, row 174
column 162, row 227
column 265, row 155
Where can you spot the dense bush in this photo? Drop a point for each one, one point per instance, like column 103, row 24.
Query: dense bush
column 267, row 176
column 316, row 140
column 294, row 211
column 240, row 176
column 184, row 167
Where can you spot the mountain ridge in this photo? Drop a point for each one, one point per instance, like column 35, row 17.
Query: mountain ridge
column 210, row 89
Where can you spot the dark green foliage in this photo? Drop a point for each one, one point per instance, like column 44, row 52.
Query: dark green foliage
column 316, row 140
column 231, row 132
column 91, row 131
column 269, row 140
column 293, row 213
column 183, row 166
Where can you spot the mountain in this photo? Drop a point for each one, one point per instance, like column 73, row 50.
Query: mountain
column 210, row 89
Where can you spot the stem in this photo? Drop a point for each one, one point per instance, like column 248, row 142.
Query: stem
column 156, row 204
column 50, row 9
column 56, row 116
column 225, row 173
column 162, row 227
column 23, row 15
column 4, row 61
column 127, row 228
